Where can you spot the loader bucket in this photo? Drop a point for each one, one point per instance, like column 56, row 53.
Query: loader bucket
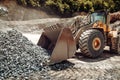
column 59, row 42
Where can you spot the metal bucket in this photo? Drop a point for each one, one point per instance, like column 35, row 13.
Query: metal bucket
column 59, row 41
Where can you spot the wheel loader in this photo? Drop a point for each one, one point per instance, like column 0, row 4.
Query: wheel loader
column 90, row 38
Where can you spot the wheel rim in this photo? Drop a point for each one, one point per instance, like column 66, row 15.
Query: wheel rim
column 96, row 43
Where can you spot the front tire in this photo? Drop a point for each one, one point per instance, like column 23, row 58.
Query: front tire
column 91, row 43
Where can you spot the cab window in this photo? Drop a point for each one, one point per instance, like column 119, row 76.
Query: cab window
column 98, row 17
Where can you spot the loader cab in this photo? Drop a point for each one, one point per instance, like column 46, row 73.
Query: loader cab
column 98, row 16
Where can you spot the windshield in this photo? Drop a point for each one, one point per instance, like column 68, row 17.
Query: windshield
column 98, row 17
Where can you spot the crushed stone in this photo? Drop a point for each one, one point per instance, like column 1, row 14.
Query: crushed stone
column 19, row 57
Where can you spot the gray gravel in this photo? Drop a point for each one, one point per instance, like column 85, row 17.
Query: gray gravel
column 61, row 66
column 19, row 57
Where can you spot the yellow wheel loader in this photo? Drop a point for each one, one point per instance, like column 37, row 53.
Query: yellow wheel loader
column 91, row 38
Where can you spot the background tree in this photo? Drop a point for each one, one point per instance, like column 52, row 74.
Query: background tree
column 71, row 6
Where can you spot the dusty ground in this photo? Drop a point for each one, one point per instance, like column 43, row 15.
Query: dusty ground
column 106, row 67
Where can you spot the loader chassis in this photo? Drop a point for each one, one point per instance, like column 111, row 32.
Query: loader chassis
column 91, row 43
column 91, row 38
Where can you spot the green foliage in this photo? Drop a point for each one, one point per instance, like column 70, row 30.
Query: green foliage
column 117, row 5
column 33, row 3
column 71, row 6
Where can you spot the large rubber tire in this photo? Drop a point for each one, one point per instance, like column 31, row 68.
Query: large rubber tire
column 86, row 43
column 114, row 45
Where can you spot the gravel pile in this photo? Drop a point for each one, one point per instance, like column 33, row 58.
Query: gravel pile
column 61, row 66
column 19, row 57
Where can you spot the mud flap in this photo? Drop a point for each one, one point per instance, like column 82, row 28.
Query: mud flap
column 60, row 43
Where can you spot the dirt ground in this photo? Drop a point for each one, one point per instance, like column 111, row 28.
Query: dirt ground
column 106, row 67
